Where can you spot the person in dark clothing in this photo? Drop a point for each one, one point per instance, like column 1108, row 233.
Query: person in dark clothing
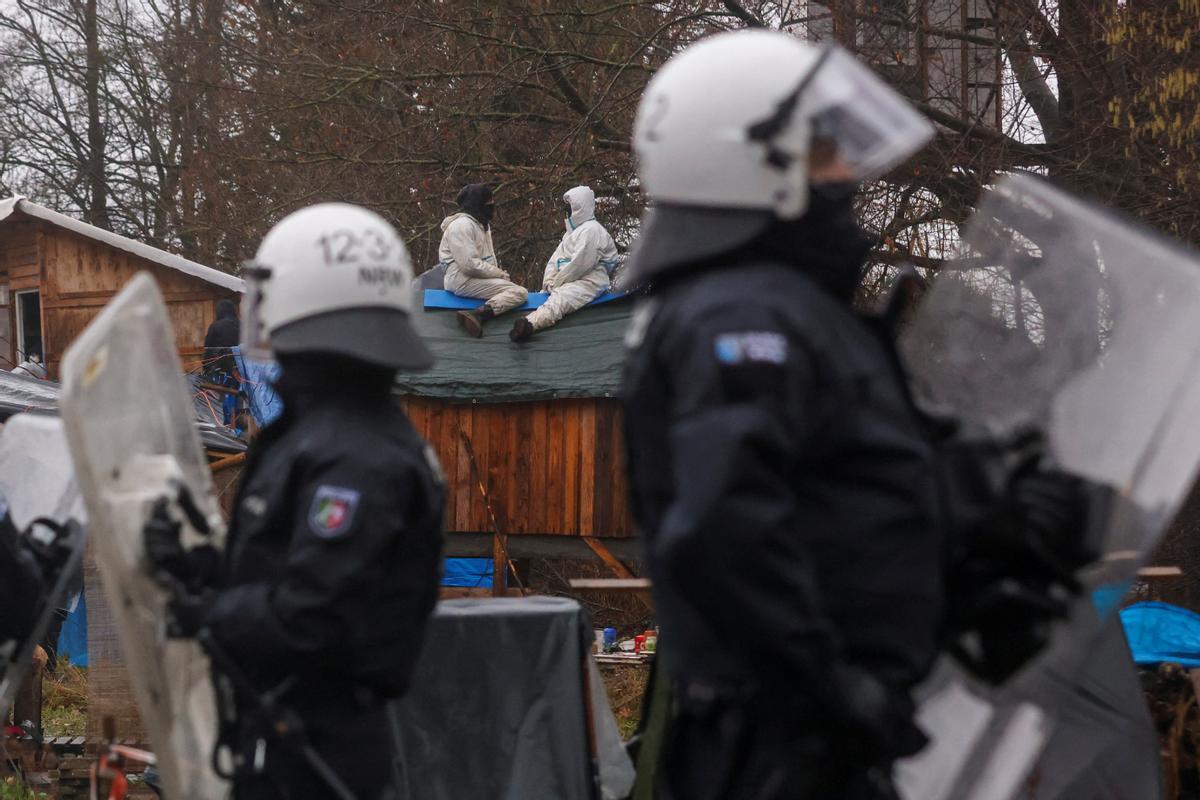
column 22, row 581
column 787, row 486
column 331, row 565
column 222, row 336
column 32, row 563
column 220, row 366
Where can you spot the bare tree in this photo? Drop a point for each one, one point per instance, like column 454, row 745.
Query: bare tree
column 215, row 117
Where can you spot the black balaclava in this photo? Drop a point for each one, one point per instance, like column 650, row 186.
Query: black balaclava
column 226, row 309
column 312, row 379
column 476, row 200
column 826, row 243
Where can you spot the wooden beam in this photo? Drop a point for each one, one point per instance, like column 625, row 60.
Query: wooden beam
column 478, row 544
column 612, row 562
column 216, row 387
column 610, row 584
column 617, row 568
column 227, row 462
column 1159, row 573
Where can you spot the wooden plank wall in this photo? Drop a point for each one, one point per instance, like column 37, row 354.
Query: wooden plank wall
column 553, row 466
column 19, row 269
column 77, row 276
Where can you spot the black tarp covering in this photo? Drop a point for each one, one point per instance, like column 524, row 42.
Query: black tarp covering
column 581, row 356
column 496, row 709
column 19, row 393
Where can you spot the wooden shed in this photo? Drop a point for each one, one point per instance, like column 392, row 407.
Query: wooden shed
column 56, row 273
column 529, row 435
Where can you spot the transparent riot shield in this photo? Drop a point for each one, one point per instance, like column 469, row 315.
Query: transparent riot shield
column 131, row 432
column 37, row 479
column 1060, row 319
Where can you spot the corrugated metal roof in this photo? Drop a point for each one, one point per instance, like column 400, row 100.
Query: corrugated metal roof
column 153, row 254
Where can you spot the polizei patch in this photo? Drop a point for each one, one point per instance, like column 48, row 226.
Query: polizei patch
column 750, row 347
column 332, row 511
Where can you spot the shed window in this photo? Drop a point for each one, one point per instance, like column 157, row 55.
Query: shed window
column 29, row 325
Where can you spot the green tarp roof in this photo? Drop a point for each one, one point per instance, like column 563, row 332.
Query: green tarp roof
column 582, row 356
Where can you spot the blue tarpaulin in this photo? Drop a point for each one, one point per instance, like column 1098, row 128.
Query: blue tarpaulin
column 257, row 377
column 72, row 639
column 472, row 573
column 440, row 298
column 1161, row 632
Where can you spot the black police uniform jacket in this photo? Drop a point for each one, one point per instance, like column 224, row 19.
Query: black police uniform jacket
column 785, row 486
column 332, row 562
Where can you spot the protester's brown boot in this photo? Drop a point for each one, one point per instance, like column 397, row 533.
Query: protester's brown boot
column 472, row 321
column 522, row 329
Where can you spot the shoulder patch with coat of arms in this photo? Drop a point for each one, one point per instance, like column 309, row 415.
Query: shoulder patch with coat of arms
column 332, row 511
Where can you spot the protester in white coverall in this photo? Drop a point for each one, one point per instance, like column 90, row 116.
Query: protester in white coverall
column 578, row 271
column 470, row 260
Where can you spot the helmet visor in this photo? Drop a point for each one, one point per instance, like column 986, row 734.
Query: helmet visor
column 256, row 340
column 873, row 126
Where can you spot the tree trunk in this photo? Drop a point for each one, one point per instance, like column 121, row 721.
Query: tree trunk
column 97, row 211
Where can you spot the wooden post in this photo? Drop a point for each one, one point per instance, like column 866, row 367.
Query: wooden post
column 501, row 563
column 499, row 560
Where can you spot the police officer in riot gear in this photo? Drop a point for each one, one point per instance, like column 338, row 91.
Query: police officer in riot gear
column 788, row 489
column 37, row 567
column 21, row 576
column 331, row 566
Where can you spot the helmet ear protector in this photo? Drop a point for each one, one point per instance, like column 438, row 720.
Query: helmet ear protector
column 256, row 340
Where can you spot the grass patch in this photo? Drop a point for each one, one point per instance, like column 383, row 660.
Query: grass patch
column 64, row 701
column 11, row 788
column 625, row 686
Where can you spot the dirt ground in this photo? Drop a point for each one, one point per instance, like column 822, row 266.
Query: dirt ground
column 625, row 685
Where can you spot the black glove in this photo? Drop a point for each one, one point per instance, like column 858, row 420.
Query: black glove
column 876, row 722
column 164, row 551
column 186, row 614
column 1015, row 573
column 1051, row 509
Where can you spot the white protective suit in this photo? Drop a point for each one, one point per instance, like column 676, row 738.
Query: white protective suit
column 31, row 367
column 578, row 271
column 471, row 269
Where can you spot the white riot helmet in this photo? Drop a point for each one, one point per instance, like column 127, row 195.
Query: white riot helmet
column 333, row 278
column 724, row 129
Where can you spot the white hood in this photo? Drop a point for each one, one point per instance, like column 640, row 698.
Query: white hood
column 583, row 206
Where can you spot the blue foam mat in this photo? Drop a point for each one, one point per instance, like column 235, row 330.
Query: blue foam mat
column 440, row 298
